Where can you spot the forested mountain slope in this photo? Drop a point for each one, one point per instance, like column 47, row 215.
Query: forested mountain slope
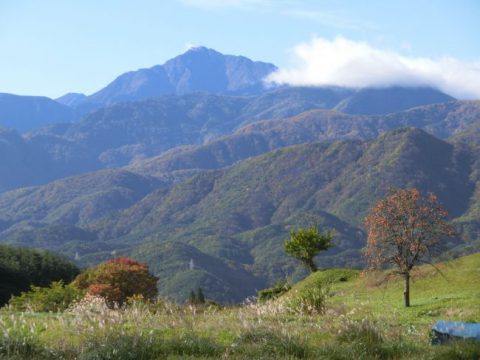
column 124, row 133
column 232, row 222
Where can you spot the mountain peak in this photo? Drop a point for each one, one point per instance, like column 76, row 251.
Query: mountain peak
column 199, row 69
column 201, row 49
column 200, row 54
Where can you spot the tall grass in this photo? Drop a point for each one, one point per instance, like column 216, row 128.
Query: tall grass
column 90, row 330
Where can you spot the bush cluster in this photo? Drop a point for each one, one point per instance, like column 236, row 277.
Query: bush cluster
column 311, row 301
column 116, row 281
column 56, row 297
column 21, row 268
column 274, row 292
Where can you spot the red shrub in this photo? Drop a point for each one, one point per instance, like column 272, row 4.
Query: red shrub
column 118, row 279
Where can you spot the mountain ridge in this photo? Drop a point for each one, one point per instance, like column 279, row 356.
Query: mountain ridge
column 124, row 133
column 25, row 113
column 240, row 215
column 199, row 69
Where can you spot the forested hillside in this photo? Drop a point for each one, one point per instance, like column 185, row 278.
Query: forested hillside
column 20, row 268
column 129, row 132
column 232, row 222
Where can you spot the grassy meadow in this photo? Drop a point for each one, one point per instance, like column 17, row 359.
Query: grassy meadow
column 332, row 314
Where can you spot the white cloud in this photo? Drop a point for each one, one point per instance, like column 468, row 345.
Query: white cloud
column 348, row 63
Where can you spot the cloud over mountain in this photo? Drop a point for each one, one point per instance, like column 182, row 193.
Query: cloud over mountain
column 343, row 62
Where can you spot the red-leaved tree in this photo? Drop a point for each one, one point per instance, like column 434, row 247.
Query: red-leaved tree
column 118, row 279
column 405, row 229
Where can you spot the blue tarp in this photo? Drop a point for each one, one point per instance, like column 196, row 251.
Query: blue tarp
column 454, row 329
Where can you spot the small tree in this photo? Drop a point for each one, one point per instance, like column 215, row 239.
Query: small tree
column 196, row 298
column 192, row 298
column 118, row 279
column 305, row 244
column 200, row 296
column 405, row 229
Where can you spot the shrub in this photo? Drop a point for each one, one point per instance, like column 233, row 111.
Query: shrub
column 274, row 292
column 118, row 279
column 21, row 267
column 311, row 301
column 57, row 297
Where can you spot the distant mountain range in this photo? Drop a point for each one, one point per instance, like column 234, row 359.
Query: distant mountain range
column 202, row 70
column 124, row 133
column 197, row 70
column 25, row 113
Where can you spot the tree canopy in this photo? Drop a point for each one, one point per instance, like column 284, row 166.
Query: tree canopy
column 305, row 244
column 118, row 279
column 22, row 267
column 405, row 229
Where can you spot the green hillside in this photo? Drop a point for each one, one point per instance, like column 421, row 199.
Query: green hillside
column 441, row 120
column 232, row 221
column 452, row 293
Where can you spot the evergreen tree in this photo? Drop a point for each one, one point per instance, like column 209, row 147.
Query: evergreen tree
column 22, row 267
column 200, row 296
column 192, row 298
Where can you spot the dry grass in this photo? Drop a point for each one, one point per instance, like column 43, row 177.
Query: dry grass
column 90, row 330
column 350, row 321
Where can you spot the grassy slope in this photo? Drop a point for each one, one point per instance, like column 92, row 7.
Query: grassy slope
column 386, row 330
column 452, row 295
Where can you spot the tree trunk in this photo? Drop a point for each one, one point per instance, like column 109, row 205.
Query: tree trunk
column 406, row 294
column 311, row 265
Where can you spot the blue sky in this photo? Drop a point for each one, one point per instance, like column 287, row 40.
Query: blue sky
column 50, row 47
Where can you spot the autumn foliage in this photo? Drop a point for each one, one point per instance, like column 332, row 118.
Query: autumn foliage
column 118, row 279
column 405, row 229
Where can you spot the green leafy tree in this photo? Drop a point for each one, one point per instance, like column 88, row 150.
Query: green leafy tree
column 305, row 244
